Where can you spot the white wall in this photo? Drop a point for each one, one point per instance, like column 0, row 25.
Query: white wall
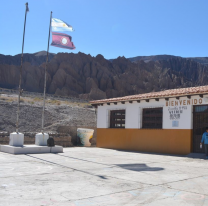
column 171, row 119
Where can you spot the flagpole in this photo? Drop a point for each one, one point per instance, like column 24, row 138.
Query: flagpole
column 20, row 78
column 43, row 112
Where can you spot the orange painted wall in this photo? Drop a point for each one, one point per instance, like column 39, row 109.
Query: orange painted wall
column 170, row 141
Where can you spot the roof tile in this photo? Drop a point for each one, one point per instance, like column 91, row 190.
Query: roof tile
column 166, row 93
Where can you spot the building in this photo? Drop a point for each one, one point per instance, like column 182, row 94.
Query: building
column 170, row 121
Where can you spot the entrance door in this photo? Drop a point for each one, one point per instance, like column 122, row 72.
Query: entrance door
column 200, row 121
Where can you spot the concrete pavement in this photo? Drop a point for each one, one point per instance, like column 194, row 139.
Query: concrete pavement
column 95, row 176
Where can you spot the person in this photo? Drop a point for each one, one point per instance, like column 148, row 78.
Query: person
column 205, row 141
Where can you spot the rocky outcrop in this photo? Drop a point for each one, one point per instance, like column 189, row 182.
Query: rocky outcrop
column 88, row 77
column 34, row 59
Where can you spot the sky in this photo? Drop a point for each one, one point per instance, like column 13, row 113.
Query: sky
column 109, row 27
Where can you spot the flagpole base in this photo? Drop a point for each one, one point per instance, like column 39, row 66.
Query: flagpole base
column 30, row 149
column 41, row 139
column 16, row 139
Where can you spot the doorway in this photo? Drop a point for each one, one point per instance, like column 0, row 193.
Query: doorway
column 200, row 122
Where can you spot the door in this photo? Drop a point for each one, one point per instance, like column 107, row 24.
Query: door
column 200, row 121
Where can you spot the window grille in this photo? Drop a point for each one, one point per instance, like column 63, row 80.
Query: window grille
column 152, row 118
column 117, row 119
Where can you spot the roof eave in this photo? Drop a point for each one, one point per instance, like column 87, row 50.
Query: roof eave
column 139, row 99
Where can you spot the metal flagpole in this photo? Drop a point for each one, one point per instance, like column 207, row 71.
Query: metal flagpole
column 20, row 78
column 43, row 112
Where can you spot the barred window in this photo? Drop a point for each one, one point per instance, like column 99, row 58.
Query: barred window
column 117, row 119
column 152, row 118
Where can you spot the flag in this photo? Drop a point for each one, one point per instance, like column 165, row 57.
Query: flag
column 62, row 40
column 59, row 25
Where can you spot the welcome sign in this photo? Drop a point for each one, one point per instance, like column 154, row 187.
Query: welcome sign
column 184, row 102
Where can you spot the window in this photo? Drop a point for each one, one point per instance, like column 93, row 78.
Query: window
column 117, row 119
column 152, row 118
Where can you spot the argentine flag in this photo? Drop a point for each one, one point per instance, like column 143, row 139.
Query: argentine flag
column 59, row 25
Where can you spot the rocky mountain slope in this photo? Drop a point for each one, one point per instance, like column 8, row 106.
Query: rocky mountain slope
column 201, row 60
column 34, row 59
column 90, row 77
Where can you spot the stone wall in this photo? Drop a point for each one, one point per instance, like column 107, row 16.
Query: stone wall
column 66, row 136
column 61, row 139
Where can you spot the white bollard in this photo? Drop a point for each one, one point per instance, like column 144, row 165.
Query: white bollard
column 16, row 139
column 41, row 139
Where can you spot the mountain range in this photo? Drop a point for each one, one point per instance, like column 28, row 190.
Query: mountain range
column 88, row 77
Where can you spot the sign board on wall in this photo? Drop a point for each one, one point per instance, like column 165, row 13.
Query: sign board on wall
column 177, row 114
column 175, row 123
column 184, row 102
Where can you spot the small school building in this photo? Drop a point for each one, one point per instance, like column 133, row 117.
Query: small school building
column 170, row 121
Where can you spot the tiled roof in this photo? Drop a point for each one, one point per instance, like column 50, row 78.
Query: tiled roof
column 161, row 94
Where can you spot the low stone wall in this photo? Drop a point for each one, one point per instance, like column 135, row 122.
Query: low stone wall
column 61, row 139
column 66, row 136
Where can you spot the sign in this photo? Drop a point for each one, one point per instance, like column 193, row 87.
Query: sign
column 176, row 112
column 183, row 102
column 175, row 123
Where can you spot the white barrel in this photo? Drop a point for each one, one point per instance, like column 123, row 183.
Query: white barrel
column 41, row 139
column 85, row 135
column 16, row 139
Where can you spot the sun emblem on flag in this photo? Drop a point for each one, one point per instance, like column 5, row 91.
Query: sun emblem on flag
column 64, row 25
column 64, row 41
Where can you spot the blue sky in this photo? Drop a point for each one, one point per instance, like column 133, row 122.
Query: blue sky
column 110, row 27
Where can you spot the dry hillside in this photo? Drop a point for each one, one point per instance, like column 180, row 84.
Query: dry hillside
column 60, row 116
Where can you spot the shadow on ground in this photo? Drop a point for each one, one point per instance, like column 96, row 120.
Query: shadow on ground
column 133, row 167
column 139, row 167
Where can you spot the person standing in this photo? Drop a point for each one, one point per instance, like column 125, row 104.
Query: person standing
column 205, row 141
